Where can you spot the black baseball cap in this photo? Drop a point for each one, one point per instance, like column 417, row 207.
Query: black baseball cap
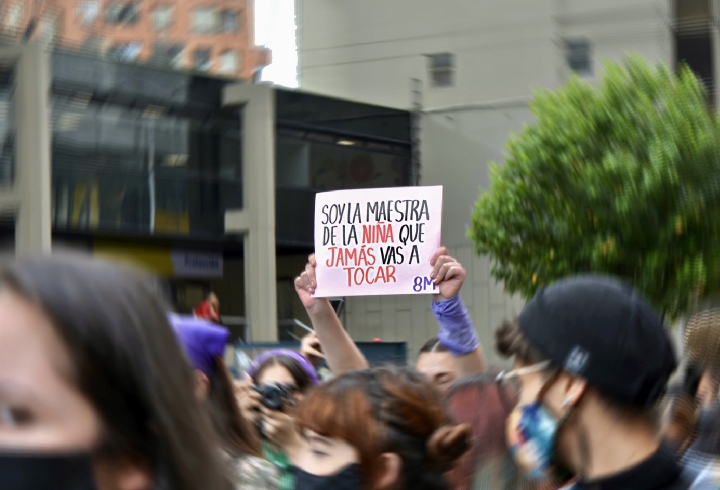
column 601, row 330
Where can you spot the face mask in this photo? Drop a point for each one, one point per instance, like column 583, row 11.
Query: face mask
column 347, row 479
column 531, row 432
column 31, row 472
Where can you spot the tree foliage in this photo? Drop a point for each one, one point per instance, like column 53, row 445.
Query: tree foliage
column 619, row 178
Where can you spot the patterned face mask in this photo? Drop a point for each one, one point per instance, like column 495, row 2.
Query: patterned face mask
column 532, row 432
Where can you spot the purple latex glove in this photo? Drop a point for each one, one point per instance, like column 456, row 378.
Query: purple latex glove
column 456, row 329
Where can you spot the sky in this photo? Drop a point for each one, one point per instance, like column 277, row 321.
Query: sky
column 275, row 29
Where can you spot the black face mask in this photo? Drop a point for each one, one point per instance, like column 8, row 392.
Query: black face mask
column 30, row 471
column 347, row 479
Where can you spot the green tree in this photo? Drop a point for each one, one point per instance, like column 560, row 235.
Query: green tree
column 619, row 178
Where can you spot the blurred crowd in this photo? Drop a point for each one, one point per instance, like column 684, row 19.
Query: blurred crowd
column 102, row 387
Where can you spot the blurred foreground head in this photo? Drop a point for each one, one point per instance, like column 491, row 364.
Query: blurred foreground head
column 378, row 429
column 702, row 349
column 591, row 360
column 484, row 405
column 93, row 384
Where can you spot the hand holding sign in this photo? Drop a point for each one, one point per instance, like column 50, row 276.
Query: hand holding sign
column 447, row 273
column 376, row 241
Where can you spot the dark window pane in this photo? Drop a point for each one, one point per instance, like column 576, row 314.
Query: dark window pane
column 202, row 59
column 229, row 21
column 696, row 52
column 122, row 13
column 168, row 55
column 442, row 60
column 578, row 56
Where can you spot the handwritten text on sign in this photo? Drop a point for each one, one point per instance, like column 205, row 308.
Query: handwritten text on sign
column 376, row 241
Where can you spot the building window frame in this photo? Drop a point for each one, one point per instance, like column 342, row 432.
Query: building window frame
column 223, row 66
column 229, row 21
column 88, row 11
column 202, row 64
column 163, row 17
column 441, row 70
column 122, row 12
column 170, row 54
column 578, row 56
column 127, row 52
column 207, row 26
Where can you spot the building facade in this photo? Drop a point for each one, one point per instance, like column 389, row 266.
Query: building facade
column 204, row 183
column 469, row 69
column 214, row 37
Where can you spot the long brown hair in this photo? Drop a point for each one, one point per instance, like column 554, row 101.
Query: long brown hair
column 237, row 435
column 127, row 361
column 388, row 410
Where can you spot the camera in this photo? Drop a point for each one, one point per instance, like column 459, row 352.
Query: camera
column 274, row 395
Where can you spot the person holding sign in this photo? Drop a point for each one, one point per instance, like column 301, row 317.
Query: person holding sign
column 456, row 352
column 341, row 353
column 457, row 335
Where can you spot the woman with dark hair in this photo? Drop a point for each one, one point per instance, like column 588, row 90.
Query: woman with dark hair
column 205, row 343
column 287, row 376
column 384, row 428
column 94, row 390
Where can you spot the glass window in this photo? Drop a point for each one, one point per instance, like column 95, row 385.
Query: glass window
column 125, row 51
column 229, row 21
column 442, row 69
column 159, row 174
column 15, row 15
column 205, row 20
column 162, row 17
column 170, row 55
column 578, row 55
column 228, row 63
column 202, row 59
column 88, row 11
column 122, row 13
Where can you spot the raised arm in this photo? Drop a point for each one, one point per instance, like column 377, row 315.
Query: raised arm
column 457, row 332
column 339, row 350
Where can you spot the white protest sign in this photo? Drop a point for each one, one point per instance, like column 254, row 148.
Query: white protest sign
column 376, row 241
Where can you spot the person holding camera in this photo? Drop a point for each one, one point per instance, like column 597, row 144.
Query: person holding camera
column 276, row 382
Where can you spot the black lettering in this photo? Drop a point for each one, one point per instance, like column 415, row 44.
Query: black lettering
column 415, row 253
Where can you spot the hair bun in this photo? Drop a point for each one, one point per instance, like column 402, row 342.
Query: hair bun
column 447, row 444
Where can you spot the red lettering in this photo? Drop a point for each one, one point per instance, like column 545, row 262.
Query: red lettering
column 330, row 262
column 362, row 276
column 368, row 234
column 367, row 275
column 391, row 273
column 381, row 275
column 371, row 255
column 349, row 272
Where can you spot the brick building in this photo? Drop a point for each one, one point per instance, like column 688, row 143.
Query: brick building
column 210, row 36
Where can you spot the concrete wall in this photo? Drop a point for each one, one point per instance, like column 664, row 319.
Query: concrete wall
column 370, row 50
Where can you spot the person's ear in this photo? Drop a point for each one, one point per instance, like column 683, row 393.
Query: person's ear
column 573, row 389
column 202, row 385
column 122, row 473
column 391, row 472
